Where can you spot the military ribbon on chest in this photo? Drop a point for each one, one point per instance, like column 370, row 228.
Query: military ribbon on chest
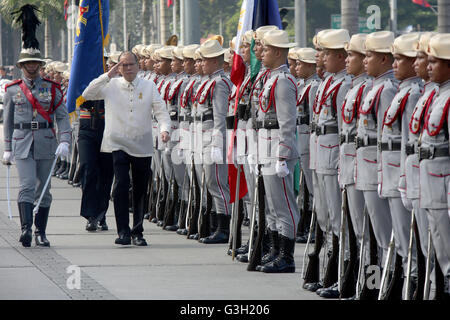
column 263, row 99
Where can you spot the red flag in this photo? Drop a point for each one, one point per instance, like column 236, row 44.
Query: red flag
column 169, row 3
column 66, row 5
column 423, row 3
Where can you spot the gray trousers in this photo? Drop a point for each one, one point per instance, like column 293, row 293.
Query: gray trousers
column 178, row 171
column 283, row 209
column 380, row 218
column 320, row 203
column 32, row 177
column 356, row 208
column 439, row 222
column 330, row 186
column 401, row 224
column 422, row 225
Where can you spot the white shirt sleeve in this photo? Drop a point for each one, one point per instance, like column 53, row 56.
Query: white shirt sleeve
column 160, row 111
column 96, row 89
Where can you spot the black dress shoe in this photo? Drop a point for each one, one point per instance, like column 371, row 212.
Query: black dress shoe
column 331, row 292
column 102, row 226
column 171, row 228
column 194, row 236
column 183, row 232
column 91, row 225
column 139, row 241
column 123, row 240
column 312, row 286
column 146, row 216
column 154, row 220
column 160, row 223
column 243, row 257
column 76, row 184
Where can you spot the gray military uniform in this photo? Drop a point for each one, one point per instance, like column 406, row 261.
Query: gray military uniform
column 377, row 100
column 210, row 119
column 435, row 173
column 394, row 129
column 34, row 150
column 278, row 108
column 327, row 157
column 307, row 94
column 409, row 178
column 350, row 109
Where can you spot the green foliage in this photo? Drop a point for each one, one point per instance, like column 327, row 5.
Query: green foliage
column 53, row 9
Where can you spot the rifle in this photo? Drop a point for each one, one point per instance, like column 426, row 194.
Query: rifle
column 194, row 212
column 255, row 258
column 169, row 210
column 234, row 214
column 202, row 233
column 384, row 277
column 188, row 210
column 347, row 288
column 306, row 252
column 409, row 264
column 162, row 193
column 361, row 257
column 253, row 218
column 430, row 249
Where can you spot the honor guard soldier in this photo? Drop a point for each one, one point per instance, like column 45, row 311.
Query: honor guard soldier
column 187, row 125
column 328, row 110
column 173, row 146
column 306, row 71
column 394, row 127
column 32, row 105
column 409, row 183
column 361, row 83
column 434, row 154
column 276, row 121
column 378, row 64
column 211, row 113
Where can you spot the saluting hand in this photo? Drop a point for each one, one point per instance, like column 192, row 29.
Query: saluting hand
column 114, row 71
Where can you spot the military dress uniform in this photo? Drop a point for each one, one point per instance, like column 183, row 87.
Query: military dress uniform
column 435, row 170
column 372, row 110
column 210, row 117
column 31, row 138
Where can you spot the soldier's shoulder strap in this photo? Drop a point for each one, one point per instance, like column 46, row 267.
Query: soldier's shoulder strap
column 18, row 81
column 52, row 82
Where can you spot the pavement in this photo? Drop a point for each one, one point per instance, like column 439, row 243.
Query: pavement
column 170, row 268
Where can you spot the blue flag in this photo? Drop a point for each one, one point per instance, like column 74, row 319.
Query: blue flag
column 266, row 13
column 91, row 35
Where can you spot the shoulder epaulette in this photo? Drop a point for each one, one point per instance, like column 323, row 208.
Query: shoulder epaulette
column 18, row 81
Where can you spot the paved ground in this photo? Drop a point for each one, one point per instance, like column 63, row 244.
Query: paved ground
column 170, row 268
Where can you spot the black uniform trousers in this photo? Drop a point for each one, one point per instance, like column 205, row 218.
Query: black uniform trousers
column 96, row 171
column 141, row 173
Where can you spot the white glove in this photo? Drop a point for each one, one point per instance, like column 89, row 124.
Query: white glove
column 406, row 202
column 7, row 157
column 281, row 169
column 216, row 155
column 62, row 150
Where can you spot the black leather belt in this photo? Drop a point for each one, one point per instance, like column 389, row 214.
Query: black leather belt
column 322, row 130
column 185, row 118
column 347, row 138
column 302, row 120
column 387, row 146
column 33, row 125
column 243, row 112
column 204, row 117
column 313, row 126
column 409, row 149
column 368, row 142
column 267, row 124
column 432, row 152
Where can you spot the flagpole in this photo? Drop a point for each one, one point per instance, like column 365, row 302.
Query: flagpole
column 125, row 43
column 174, row 13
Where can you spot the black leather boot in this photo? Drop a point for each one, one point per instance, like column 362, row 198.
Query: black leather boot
column 312, row 274
column 395, row 288
column 65, row 174
column 40, row 222
column 274, row 249
column 62, row 168
column 331, row 272
column 26, row 221
column 222, row 232
column 284, row 262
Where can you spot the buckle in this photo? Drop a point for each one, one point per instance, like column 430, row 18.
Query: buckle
column 318, row 130
column 34, row 125
column 431, row 152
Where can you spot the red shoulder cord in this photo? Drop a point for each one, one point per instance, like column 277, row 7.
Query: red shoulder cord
column 271, row 98
column 423, row 112
column 327, row 85
column 355, row 106
column 441, row 123
column 241, row 93
column 305, row 96
column 399, row 110
column 374, row 101
column 209, row 92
